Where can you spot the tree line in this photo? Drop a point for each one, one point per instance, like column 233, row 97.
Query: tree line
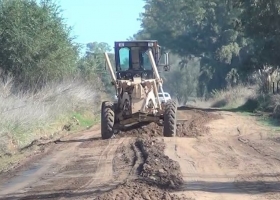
column 229, row 39
column 213, row 43
column 37, row 46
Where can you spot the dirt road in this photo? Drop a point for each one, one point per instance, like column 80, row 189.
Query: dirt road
column 216, row 155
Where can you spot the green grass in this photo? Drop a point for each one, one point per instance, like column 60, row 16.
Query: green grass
column 52, row 131
column 269, row 122
column 86, row 120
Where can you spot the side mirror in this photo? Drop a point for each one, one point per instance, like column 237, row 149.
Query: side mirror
column 166, row 58
column 166, row 65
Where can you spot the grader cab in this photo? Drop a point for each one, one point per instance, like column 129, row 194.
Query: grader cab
column 137, row 83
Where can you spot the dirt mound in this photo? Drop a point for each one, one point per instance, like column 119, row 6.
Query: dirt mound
column 150, row 173
column 157, row 167
column 191, row 123
column 151, row 130
column 139, row 190
column 195, row 122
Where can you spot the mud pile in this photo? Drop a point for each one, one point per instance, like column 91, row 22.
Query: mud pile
column 157, row 167
column 193, row 125
column 151, row 174
column 152, row 130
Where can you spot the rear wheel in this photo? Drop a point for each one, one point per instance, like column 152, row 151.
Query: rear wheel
column 107, row 120
column 170, row 119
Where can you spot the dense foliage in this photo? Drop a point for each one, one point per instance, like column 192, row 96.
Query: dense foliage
column 37, row 47
column 92, row 66
column 213, row 43
column 230, row 38
column 35, row 42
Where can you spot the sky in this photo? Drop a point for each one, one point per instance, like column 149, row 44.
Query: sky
column 102, row 20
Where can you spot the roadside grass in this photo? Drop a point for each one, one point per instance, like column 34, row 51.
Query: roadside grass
column 247, row 101
column 239, row 97
column 86, row 119
column 59, row 108
column 199, row 102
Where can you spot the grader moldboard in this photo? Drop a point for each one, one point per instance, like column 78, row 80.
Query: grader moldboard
column 137, row 83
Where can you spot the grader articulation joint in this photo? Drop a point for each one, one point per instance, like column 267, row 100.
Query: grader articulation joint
column 137, row 83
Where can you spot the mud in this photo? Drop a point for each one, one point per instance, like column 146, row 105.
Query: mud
column 151, row 174
column 190, row 124
column 195, row 123
column 151, row 130
column 139, row 190
column 157, row 167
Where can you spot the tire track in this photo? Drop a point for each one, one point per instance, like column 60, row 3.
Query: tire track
column 104, row 173
column 36, row 169
column 137, row 164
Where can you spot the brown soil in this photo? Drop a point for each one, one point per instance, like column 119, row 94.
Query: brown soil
column 149, row 173
column 194, row 123
column 218, row 155
column 191, row 123
column 157, row 167
column 139, row 190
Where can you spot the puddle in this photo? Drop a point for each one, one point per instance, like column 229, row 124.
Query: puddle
column 23, row 178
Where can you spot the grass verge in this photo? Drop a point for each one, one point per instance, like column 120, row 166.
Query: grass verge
column 58, row 109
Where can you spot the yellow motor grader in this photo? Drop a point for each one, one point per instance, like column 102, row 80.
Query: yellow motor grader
column 137, row 83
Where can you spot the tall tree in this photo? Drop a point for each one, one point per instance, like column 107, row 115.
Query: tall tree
column 35, row 42
column 92, row 66
column 260, row 21
column 197, row 28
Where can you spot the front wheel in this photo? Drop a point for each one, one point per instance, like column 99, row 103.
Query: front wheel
column 170, row 119
column 107, row 120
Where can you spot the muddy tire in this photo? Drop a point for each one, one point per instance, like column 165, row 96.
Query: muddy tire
column 107, row 120
column 170, row 119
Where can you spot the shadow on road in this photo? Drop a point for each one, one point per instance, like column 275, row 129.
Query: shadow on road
column 245, row 187
column 57, row 194
column 240, row 187
column 238, row 109
column 77, row 140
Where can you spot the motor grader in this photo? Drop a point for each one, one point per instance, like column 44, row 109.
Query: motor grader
column 137, row 84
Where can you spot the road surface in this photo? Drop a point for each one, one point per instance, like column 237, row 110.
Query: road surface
column 217, row 155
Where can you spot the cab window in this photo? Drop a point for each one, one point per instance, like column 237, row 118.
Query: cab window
column 124, row 58
column 146, row 61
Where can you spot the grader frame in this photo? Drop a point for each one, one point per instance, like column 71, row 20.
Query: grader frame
column 137, row 83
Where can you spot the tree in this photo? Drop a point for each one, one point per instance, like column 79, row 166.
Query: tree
column 260, row 22
column 181, row 81
column 35, row 42
column 202, row 29
column 92, row 66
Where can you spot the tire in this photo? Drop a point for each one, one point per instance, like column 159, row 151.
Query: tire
column 170, row 119
column 107, row 120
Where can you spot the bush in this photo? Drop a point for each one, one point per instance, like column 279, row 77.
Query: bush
column 233, row 97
